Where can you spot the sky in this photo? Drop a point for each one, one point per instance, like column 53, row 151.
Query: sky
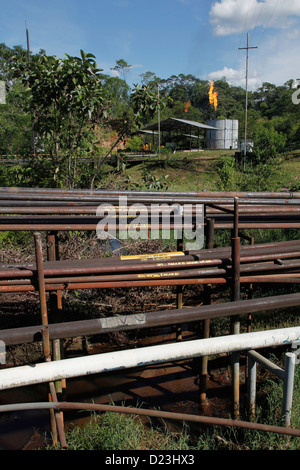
column 166, row 37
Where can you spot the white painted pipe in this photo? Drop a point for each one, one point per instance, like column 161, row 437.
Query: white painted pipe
column 287, row 375
column 266, row 364
column 251, row 384
column 99, row 363
column 288, row 388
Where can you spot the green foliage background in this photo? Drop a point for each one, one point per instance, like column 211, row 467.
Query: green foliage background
column 78, row 89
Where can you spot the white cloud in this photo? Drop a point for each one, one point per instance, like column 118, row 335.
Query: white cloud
column 115, row 73
column 294, row 34
column 276, row 58
column 282, row 66
column 276, row 61
column 137, row 66
column 233, row 16
column 236, row 77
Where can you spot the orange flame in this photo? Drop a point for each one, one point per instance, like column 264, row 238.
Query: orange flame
column 213, row 96
column 187, row 106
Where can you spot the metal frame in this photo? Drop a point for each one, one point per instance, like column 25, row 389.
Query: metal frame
column 67, row 210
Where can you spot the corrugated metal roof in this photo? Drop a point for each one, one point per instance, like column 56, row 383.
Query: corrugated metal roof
column 172, row 124
column 156, row 133
column 146, row 132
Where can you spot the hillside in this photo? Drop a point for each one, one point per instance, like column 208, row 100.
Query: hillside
column 191, row 171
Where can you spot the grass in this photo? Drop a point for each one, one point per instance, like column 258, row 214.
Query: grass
column 186, row 172
column 113, row 431
column 196, row 171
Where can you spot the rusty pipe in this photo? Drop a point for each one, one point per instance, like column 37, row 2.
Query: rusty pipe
column 41, row 278
column 148, row 319
column 206, row 420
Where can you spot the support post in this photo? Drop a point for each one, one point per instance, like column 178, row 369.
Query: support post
column 179, row 288
column 56, row 420
column 250, row 296
column 251, row 386
column 209, row 242
column 286, row 375
column 41, row 277
column 235, row 324
column 288, row 387
column 47, row 357
column 55, row 303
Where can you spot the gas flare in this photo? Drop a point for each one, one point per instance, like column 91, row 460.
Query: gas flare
column 187, row 106
column 213, row 96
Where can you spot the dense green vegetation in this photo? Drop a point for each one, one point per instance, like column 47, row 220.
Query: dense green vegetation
column 67, row 109
column 67, row 99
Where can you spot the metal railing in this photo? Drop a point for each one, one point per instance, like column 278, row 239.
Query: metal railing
column 233, row 266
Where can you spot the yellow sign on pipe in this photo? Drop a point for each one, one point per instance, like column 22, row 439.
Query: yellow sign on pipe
column 154, row 256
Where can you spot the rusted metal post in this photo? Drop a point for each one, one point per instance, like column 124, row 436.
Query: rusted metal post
column 179, row 298
column 206, row 323
column 235, row 324
column 44, row 316
column 250, row 296
column 55, row 300
column 56, row 418
column 46, row 343
column 47, row 357
column 41, row 277
column 249, row 324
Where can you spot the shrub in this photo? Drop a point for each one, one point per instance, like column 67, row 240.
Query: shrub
column 229, row 179
column 268, row 145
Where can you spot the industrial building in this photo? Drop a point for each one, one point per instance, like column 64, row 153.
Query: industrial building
column 179, row 133
column 219, row 134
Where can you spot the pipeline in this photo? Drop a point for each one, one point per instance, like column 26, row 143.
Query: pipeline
column 91, row 210
column 24, row 197
column 280, row 263
column 84, row 193
column 230, row 194
column 209, row 257
column 289, row 266
column 275, row 262
column 147, row 320
column 143, row 197
column 206, row 420
column 270, row 210
column 143, row 357
column 74, row 210
column 283, row 279
column 67, row 286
